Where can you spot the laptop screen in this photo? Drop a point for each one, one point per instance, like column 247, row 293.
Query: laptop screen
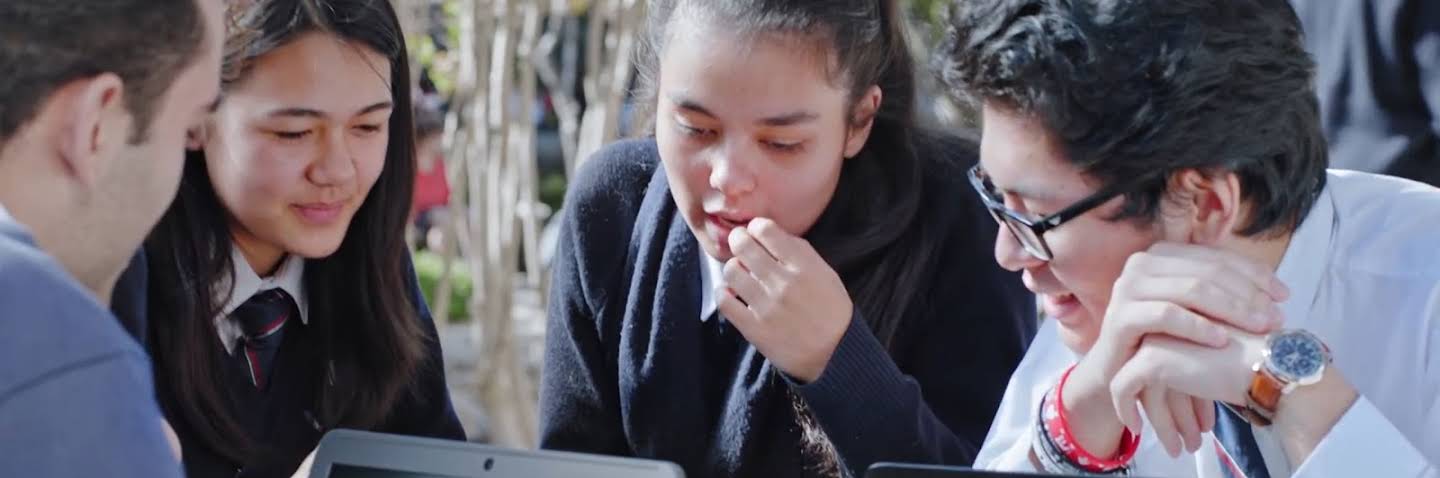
column 350, row 471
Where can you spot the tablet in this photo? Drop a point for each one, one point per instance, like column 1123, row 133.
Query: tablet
column 355, row 454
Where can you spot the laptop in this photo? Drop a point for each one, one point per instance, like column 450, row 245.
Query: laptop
column 356, row 454
column 897, row 470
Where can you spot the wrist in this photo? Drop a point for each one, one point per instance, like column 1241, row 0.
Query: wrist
column 1305, row 416
column 1091, row 411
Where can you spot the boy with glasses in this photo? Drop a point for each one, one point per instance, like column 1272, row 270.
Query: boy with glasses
column 1160, row 171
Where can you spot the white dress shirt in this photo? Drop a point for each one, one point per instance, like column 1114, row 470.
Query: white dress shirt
column 711, row 273
column 289, row 277
column 1364, row 272
column 5, row 215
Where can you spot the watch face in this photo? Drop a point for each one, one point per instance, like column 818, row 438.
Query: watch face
column 1296, row 356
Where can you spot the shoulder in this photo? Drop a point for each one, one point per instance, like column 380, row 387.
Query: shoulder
column 1385, row 225
column 50, row 322
column 615, row 176
column 602, row 206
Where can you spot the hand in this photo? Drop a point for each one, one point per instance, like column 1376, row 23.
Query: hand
column 1165, row 367
column 782, row 296
column 1183, row 291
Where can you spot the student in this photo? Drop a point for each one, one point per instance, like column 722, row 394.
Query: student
column 785, row 280
column 281, row 299
column 94, row 104
column 1160, row 167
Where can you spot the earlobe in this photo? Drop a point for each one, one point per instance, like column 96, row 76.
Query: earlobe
column 864, row 113
column 195, row 137
column 96, row 123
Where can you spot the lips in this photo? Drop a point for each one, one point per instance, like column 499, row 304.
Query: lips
column 1063, row 307
column 319, row 214
column 720, row 225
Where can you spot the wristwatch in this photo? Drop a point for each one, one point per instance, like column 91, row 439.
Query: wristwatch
column 1292, row 358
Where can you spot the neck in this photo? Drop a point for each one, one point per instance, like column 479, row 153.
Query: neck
column 90, row 264
column 262, row 258
column 1267, row 251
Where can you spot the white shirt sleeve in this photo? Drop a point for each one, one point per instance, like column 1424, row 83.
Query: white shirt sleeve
column 1365, row 443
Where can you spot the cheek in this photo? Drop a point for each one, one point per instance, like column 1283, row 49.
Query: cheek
column 686, row 171
column 1088, row 262
column 256, row 174
column 370, row 162
column 799, row 195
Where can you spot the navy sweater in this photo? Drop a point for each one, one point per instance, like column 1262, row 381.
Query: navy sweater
column 631, row 370
column 278, row 417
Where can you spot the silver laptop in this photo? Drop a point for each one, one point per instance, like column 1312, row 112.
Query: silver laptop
column 354, row 454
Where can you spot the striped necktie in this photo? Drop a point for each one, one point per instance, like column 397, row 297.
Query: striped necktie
column 262, row 321
column 1236, row 448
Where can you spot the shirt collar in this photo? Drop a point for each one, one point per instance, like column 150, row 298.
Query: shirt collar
column 5, row 215
column 289, row 277
column 710, row 269
column 1307, row 257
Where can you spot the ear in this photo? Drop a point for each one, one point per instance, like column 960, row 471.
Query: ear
column 96, row 125
column 197, row 136
column 1210, row 205
column 862, row 120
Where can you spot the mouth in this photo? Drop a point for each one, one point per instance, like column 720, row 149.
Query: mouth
column 319, row 213
column 1061, row 306
column 720, row 224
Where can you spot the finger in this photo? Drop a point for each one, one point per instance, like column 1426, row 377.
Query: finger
column 1205, row 412
column 1153, row 400
column 1125, row 388
column 1260, row 275
column 1169, row 319
column 1182, row 412
column 788, row 249
column 744, row 286
column 1248, row 309
column 735, row 311
column 754, row 257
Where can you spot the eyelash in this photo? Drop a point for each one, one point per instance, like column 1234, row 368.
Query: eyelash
column 694, row 132
column 299, row 135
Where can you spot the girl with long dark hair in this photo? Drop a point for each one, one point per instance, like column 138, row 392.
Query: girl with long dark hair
column 788, row 278
column 282, row 302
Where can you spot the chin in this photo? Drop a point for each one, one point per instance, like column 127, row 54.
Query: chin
column 316, row 249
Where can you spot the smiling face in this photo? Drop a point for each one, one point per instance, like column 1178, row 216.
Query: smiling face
column 1025, row 163
column 297, row 145
column 737, row 144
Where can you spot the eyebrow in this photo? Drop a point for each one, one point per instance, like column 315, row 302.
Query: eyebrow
column 787, row 119
column 313, row 113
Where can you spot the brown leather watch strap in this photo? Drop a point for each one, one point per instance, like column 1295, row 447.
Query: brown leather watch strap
column 1265, row 393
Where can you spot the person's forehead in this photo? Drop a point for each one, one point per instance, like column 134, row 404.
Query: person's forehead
column 1020, row 157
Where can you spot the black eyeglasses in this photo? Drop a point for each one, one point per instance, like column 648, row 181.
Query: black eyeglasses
column 1031, row 232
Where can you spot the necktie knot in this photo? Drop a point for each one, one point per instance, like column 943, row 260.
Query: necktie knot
column 264, row 314
column 262, row 321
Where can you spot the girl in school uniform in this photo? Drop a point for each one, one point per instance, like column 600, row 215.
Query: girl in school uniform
column 788, row 278
column 281, row 300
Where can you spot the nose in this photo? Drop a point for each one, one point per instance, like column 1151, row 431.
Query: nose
column 1010, row 254
column 732, row 170
column 336, row 165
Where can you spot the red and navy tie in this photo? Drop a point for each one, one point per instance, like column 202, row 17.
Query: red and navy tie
column 262, row 321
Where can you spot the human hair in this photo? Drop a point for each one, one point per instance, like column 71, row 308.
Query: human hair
column 871, row 232
column 361, row 319
column 46, row 44
column 1133, row 88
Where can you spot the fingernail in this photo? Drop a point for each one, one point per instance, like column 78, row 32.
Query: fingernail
column 1279, row 288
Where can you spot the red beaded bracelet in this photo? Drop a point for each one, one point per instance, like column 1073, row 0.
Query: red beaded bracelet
column 1058, row 426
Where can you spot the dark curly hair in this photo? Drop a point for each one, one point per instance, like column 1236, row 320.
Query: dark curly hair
column 1132, row 87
